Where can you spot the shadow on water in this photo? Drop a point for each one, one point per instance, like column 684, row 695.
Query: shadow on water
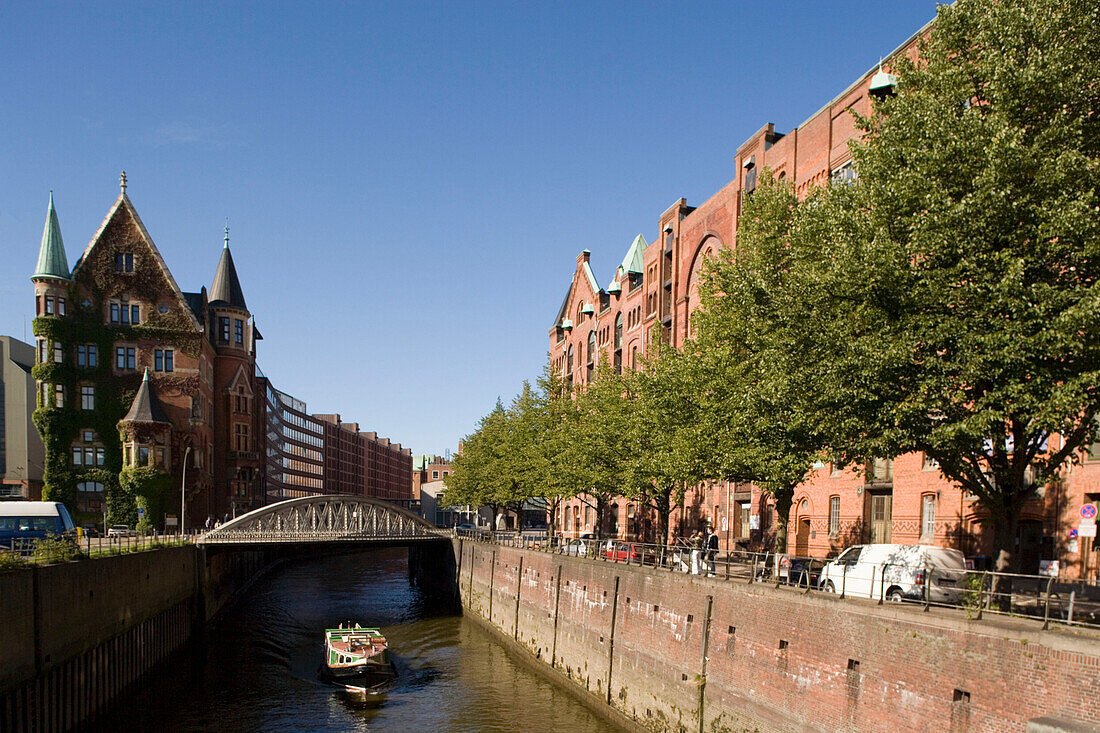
column 256, row 670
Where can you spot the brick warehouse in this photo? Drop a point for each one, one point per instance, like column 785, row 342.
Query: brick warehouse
column 135, row 377
column 900, row 500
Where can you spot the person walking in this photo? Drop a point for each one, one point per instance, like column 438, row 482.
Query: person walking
column 697, row 553
column 712, row 550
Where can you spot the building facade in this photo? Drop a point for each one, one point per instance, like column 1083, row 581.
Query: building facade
column 136, row 379
column 21, row 451
column 904, row 499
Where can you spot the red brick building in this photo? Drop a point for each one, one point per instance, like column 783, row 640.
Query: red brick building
column 133, row 373
column 903, row 500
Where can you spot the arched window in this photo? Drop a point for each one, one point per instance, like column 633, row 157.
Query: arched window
column 569, row 365
column 591, row 355
column 619, row 331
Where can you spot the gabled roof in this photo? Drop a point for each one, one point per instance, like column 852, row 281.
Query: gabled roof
column 122, row 206
column 562, row 312
column 591, row 278
column 635, row 256
column 52, row 261
column 146, row 408
column 227, row 288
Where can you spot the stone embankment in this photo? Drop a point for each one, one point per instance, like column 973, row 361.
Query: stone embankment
column 665, row 651
column 76, row 635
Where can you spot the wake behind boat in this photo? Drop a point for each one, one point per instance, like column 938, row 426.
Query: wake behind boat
column 357, row 658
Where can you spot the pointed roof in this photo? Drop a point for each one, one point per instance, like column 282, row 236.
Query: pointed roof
column 226, row 287
column 52, row 261
column 146, row 407
column 123, row 207
column 635, row 256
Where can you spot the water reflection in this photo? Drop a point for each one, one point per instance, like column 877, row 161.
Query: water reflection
column 257, row 670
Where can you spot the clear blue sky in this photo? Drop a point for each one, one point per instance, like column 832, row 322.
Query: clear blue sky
column 408, row 185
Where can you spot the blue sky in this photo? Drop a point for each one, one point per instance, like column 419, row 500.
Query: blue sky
column 407, row 184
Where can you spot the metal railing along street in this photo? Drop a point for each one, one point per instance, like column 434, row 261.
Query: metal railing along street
column 1048, row 599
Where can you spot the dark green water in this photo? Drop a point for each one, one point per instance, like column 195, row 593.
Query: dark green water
column 257, row 670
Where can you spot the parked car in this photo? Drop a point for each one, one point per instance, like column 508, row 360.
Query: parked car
column 896, row 572
column 627, row 552
column 577, row 547
column 121, row 530
column 466, row 526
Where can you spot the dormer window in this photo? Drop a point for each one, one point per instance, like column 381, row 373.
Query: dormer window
column 124, row 262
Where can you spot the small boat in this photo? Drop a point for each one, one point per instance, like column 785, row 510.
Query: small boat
column 357, row 658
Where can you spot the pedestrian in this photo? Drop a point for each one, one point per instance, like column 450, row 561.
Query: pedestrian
column 696, row 544
column 712, row 549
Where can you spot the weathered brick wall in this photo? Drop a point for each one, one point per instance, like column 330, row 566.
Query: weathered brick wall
column 661, row 647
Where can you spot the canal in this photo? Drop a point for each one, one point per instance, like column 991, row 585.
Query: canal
column 256, row 670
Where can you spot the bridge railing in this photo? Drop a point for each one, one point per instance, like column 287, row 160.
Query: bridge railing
column 1049, row 599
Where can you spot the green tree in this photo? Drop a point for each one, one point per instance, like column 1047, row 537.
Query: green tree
column 664, row 412
column 948, row 302
column 597, row 442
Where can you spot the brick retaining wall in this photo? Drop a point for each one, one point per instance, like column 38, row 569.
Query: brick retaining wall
column 660, row 647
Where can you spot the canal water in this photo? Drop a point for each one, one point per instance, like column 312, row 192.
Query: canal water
column 257, row 668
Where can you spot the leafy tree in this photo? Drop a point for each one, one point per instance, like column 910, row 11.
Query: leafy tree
column 948, row 302
column 597, row 442
column 665, row 424
column 747, row 360
column 478, row 477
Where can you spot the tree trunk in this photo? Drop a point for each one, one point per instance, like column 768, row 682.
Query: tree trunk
column 784, row 497
column 1006, row 525
column 663, row 502
column 601, row 502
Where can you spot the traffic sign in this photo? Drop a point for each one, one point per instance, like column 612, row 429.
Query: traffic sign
column 141, row 512
column 1086, row 530
column 1073, row 534
column 1088, row 511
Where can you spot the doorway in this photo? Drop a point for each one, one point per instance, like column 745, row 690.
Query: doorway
column 880, row 516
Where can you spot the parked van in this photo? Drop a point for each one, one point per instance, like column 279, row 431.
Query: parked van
column 896, row 572
column 23, row 523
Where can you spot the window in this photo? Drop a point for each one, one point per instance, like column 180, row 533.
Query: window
column 238, row 330
column 143, row 455
column 834, row 516
column 93, row 355
column 928, row 463
column 619, row 331
column 240, row 432
column 115, row 317
column 223, row 328
column 87, row 398
column 163, row 360
column 88, row 436
column 59, row 395
column 60, row 306
column 435, row 474
column 927, row 517
column 100, row 456
column 845, row 174
column 78, row 456
column 125, row 357
column 42, row 346
column 58, row 353
column 49, row 305
column 124, row 262
column 591, row 368
column 128, row 455
column 90, row 487
column 135, row 315
column 196, row 408
column 446, row 474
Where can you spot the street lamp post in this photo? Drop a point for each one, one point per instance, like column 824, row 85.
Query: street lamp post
column 183, row 491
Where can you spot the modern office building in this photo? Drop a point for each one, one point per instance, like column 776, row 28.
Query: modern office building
column 21, row 450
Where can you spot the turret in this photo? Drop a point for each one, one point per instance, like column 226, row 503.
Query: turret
column 229, row 316
column 51, row 276
column 146, row 430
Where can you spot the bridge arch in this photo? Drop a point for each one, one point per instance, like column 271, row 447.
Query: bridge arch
column 326, row 518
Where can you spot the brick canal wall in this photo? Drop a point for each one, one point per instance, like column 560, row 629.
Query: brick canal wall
column 77, row 635
column 673, row 652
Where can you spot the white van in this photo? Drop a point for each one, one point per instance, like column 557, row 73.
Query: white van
column 896, row 572
column 22, row 523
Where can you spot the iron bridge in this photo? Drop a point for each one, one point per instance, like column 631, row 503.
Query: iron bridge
column 330, row 518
